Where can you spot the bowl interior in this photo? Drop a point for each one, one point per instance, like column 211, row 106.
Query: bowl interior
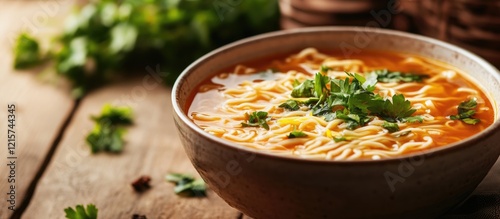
column 349, row 40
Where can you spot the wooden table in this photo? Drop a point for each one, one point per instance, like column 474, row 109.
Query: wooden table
column 54, row 167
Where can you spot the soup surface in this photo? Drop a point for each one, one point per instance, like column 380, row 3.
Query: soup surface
column 313, row 104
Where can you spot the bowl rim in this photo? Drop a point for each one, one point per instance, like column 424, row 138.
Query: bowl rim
column 494, row 127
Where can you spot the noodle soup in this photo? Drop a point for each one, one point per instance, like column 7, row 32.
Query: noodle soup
column 314, row 104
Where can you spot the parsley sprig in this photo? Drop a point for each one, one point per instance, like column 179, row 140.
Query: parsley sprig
column 186, row 185
column 256, row 119
column 466, row 110
column 26, row 52
column 108, row 132
column 80, row 212
column 297, row 134
column 351, row 99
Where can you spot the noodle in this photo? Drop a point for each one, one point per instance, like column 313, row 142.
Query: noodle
column 219, row 107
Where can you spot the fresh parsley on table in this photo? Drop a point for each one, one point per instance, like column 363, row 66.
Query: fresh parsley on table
column 80, row 212
column 108, row 131
column 186, row 185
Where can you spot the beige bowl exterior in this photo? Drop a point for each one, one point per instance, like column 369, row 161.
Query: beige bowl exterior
column 262, row 185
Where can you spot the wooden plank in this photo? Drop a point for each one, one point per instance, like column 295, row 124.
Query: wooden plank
column 153, row 148
column 41, row 108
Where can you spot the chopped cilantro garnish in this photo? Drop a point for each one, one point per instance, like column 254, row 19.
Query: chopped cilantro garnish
column 290, row 105
column 26, row 52
column 186, row 185
column 107, row 134
column 391, row 126
column 352, row 100
column 387, row 76
column 413, row 119
column 466, row 110
column 297, row 134
column 352, row 120
column 325, row 69
column 320, row 89
column 339, row 138
column 471, row 121
column 80, row 212
column 256, row 119
column 397, row 110
column 304, row 89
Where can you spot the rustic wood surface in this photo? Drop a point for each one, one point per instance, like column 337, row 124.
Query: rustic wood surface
column 74, row 176
column 54, row 160
column 41, row 107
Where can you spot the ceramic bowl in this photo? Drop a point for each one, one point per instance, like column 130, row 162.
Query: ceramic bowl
column 261, row 185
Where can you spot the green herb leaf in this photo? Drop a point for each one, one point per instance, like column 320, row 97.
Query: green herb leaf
column 413, row 119
column 256, row 119
column 325, row 69
column 104, row 38
column 297, row 134
column 352, row 121
column 352, row 100
column 466, row 110
column 397, row 110
column 292, row 105
column 186, row 185
column 108, row 132
column 471, row 121
column 320, row 82
column 387, row 76
column 90, row 212
column 26, row 52
column 339, row 138
column 304, row 89
column 391, row 126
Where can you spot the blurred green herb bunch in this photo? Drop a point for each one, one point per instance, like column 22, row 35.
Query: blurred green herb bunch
column 106, row 38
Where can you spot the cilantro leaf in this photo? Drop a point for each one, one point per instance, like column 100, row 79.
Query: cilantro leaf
column 339, row 138
column 108, row 131
column 359, row 102
column 391, row 126
column 26, row 52
column 325, row 69
column 396, row 110
column 386, row 76
column 471, row 121
column 320, row 82
column 256, row 119
column 304, row 89
column 81, row 213
column 186, row 185
column 353, row 101
column 297, row 134
column 290, row 105
column 367, row 83
column 413, row 119
column 466, row 110
column 352, row 121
